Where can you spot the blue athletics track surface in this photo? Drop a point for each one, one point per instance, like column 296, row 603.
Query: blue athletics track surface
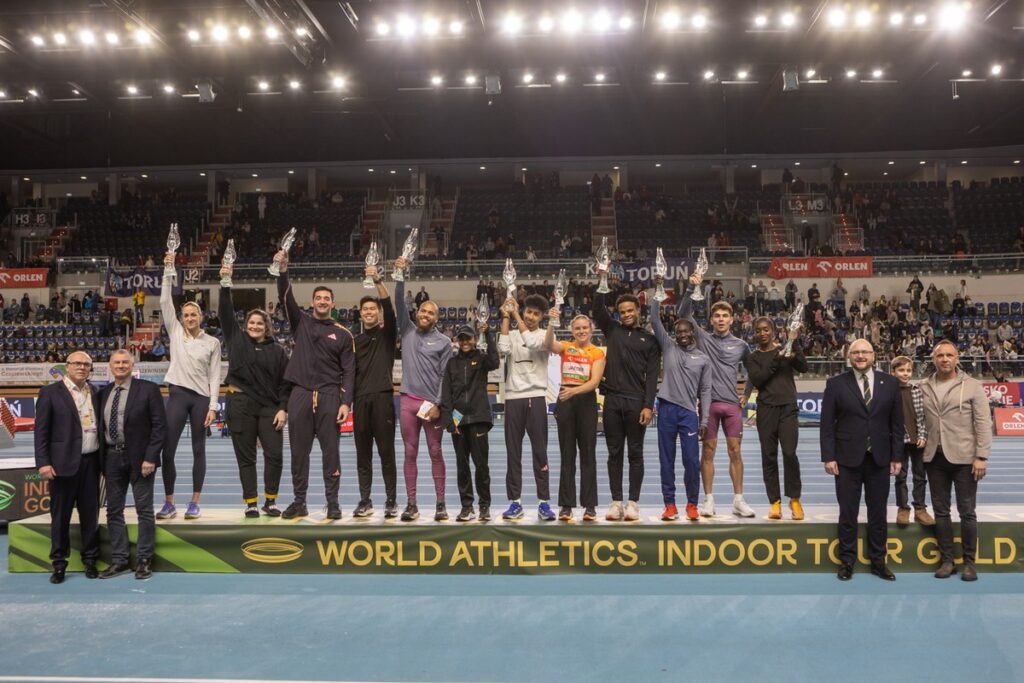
column 799, row 627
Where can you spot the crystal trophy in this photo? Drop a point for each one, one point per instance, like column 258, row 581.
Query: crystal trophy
column 230, row 255
column 660, row 271
column 408, row 252
column 173, row 242
column 793, row 324
column 372, row 259
column 561, row 289
column 508, row 276
column 483, row 313
column 699, row 269
column 603, row 258
column 284, row 245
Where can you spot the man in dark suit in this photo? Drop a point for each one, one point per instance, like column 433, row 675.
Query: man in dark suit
column 68, row 455
column 861, row 445
column 132, row 429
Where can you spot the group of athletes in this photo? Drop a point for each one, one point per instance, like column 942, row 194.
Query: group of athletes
column 332, row 372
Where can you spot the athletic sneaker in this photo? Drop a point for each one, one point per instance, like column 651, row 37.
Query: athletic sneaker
column 364, row 509
column 590, row 515
column 545, row 513
column 632, row 511
column 514, row 511
column 671, row 513
column 168, row 511
column 614, row 511
column 740, row 507
column 707, row 509
column 251, row 511
column 411, row 513
column 192, row 511
column 466, row 514
column 485, row 513
column 333, row 510
column 691, row 512
column 441, row 513
column 296, row 509
column 270, row 509
column 390, row 509
column 565, row 514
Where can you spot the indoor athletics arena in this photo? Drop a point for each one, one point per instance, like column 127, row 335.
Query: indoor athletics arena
column 511, row 340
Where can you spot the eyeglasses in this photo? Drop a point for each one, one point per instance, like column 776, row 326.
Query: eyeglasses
column 79, row 364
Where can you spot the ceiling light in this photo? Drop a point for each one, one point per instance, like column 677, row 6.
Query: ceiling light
column 112, row 38
column 244, row 32
column 168, row 88
column 436, row 80
column 615, row 168
column 294, row 85
column 145, row 175
column 74, row 91
column 660, row 76
column 219, row 33
column 3, row 94
column 393, row 171
column 255, row 175
column 850, row 73
column 602, row 21
column 143, row 37
column 527, row 78
column 202, row 174
column 338, row 82
column 572, row 22
column 272, row 33
column 742, row 75
column 599, row 77
column 811, row 73
column 966, row 73
column 383, row 29
column 896, row 19
column 545, row 24
column 964, row 162
column 670, row 20
column 788, row 19
column 885, row 173
column 560, row 77
column 302, row 32
column 996, row 69
column 60, row 38
column 431, row 26
column 699, row 21
column 922, row 163
column 708, row 75
column 863, row 18
column 877, row 73
column 470, row 79
column 38, row 41
column 511, row 24
column 263, row 85
column 82, row 177
column 291, row 172
column 455, row 28
column 1016, row 161
column 846, row 173
column 796, row 163
column 760, row 20
column 952, row 17
column 836, row 18
column 920, row 19
column 625, row 22
column 892, row 163
column 87, row 37
column 483, row 168
column 27, row 180
column 657, row 165
column 193, row 35
column 370, row 170
column 132, row 90
column 33, row 92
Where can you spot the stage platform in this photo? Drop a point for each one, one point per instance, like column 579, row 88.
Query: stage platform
column 223, row 541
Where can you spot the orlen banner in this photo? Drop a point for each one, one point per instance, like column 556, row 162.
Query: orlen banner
column 1006, row 393
column 823, row 267
column 22, row 278
column 1009, row 421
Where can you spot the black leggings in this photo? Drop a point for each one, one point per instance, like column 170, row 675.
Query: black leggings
column 185, row 404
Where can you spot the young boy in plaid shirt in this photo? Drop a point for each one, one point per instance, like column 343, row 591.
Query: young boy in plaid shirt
column 914, row 438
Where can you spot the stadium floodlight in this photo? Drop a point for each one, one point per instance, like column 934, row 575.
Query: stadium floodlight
column 851, row 73
column 837, row 18
column 132, row 90
column 38, row 41
column 272, row 33
column 431, row 26
column 143, row 37
column 625, row 22
column 244, row 32
column 60, row 38
column 996, row 69
column 660, row 76
column 383, row 28
column 572, row 21
column 294, row 85
column 966, row 73
column 219, row 33
column 263, row 85
column 193, row 35
column 896, row 19
column 456, row 27
column 545, row 24
column 527, row 77
column 338, row 82
column 87, row 37
column 742, row 74
column 599, row 77
column 112, row 38
column 602, row 21
column 877, row 73
column 709, row 75
column 511, row 24
column 302, row 32
column 168, row 88
column 436, row 80
column 788, row 20
column 760, row 21
column 670, row 20
column 471, row 79
column 863, row 18
column 699, row 21
column 920, row 19
column 811, row 73
column 952, row 17
column 33, row 92
column 560, row 77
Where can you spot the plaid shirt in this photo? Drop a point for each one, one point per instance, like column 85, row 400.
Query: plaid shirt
column 918, row 398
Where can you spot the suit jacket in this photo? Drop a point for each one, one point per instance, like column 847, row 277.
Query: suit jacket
column 145, row 422
column 961, row 422
column 58, row 431
column 846, row 422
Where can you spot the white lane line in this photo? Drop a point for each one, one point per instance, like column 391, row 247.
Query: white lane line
column 122, row 679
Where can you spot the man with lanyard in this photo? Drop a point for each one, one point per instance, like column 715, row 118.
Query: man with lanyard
column 322, row 370
column 726, row 352
column 373, row 415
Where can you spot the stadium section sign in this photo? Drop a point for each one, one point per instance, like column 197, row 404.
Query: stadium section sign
column 23, row 278
column 840, row 266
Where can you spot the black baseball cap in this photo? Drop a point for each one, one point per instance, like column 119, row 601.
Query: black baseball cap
column 465, row 331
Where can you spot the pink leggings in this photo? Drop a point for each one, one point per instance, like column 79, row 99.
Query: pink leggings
column 411, row 425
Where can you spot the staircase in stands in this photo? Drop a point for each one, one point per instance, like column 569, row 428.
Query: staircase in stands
column 219, row 222
column 604, row 225
column 847, row 235
column 775, row 234
column 441, row 225
column 55, row 242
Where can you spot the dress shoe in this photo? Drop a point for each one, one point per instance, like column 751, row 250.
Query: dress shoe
column 922, row 517
column 142, row 570
column 845, row 572
column 776, row 510
column 883, row 572
column 91, row 572
column 903, row 516
column 945, row 570
column 796, row 509
column 968, row 572
column 58, row 575
column 116, row 569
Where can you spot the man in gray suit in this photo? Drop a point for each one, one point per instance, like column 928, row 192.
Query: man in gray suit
column 959, row 423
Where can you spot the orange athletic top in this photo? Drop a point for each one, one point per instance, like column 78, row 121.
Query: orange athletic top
column 577, row 363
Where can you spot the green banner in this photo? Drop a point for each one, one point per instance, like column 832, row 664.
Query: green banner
column 523, row 548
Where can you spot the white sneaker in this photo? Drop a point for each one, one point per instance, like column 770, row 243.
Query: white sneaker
column 707, row 508
column 632, row 511
column 740, row 507
column 614, row 511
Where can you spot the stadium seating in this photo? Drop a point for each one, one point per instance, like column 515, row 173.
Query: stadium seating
column 107, row 230
column 991, row 213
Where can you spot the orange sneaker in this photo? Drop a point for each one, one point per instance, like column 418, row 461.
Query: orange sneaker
column 670, row 514
column 692, row 513
column 796, row 508
column 776, row 511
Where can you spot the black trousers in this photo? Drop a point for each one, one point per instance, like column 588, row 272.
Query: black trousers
column 874, row 480
column 121, row 475
column 779, row 425
column 314, row 413
column 471, row 444
column 185, row 405
column 80, row 491
column 943, row 477
column 913, row 456
column 577, row 433
column 249, row 423
column 526, row 416
column 622, row 426
column 373, row 420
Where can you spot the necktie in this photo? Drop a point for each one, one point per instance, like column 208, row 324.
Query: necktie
column 867, row 401
column 114, row 435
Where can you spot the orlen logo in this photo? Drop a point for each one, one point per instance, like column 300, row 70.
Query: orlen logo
column 795, row 267
column 1015, row 424
column 22, row 278
column 7, row 492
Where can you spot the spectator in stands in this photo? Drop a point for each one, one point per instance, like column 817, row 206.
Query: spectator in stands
column 749, row 295
column 864, row 296
column 261, row 207
column 1004, row 332
column 421, row 296
column 26, row 306
column 963, row 289
column 915, row 289
column 813, row 294
column 838, row 298
column 760, row 297
column 807, row 237
column 313, row 241
column 774, row 299
column 436, row 207
column 787, row 180
column 606, row 185
column 223, row 191
column 531, row 255
column 712, row 243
